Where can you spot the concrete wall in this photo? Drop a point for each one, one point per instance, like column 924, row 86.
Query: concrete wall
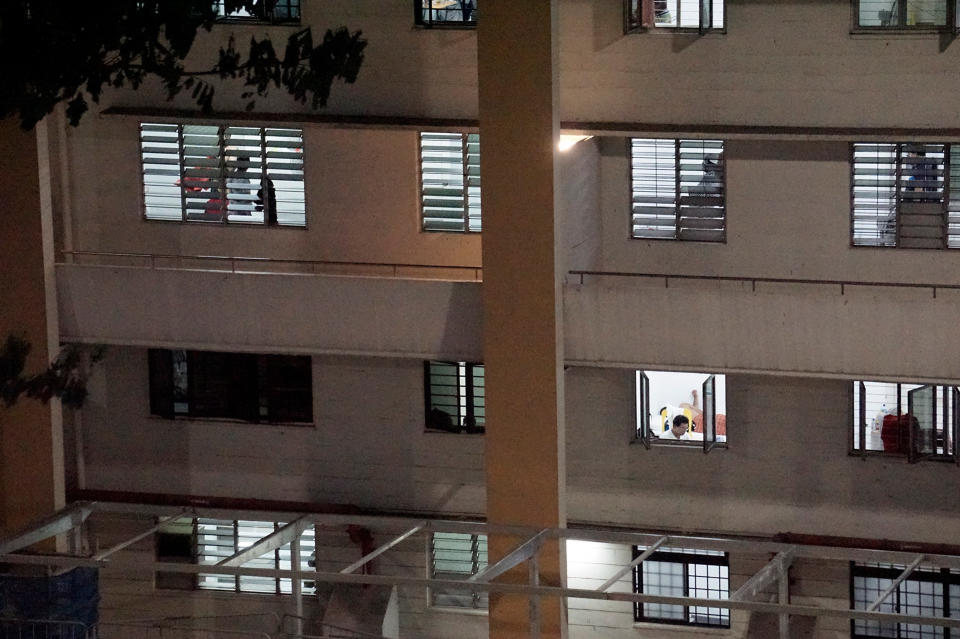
column 367, row 446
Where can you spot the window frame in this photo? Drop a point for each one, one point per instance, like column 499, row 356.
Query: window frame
column 221, row 180
column 949, row 410
column 687, row 559
column 479, row 602
column 630, row 25
column 644, row 433
column 270, row 19
column 677, row 195
column 257, row 383
column 429, row 23
column 466, row 422
column 945, row 204
column 951, row 23
column 943, row 576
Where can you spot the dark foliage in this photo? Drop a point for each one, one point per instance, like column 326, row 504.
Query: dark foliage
column 65, row 378
column 54, row 51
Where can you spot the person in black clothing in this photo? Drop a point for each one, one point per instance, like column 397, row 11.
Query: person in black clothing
column 271, row 202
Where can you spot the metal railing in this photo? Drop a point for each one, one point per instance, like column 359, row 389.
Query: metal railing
column 44, row 629
column 842, row 284
column 240, row 264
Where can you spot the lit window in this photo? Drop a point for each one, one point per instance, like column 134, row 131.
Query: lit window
column 681, row 572
column 927, row 592
column 701, row 15
column 901, row 14
column 242, row 386
column 457, row 556
column 678, row 190
column 906, row 195
column 916, row 420
column 445, row 13
column 454, row 394
column 450, row 181
column 283, row 11
column 681, row 409
column 212, row 173
column 209, row 541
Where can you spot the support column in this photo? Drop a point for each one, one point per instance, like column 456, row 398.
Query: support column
column 523, row 345
column 31, row 447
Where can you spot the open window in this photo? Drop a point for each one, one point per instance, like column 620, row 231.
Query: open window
column 681, row 408
column 686, row 15
column 281, row 12
column 917, row 421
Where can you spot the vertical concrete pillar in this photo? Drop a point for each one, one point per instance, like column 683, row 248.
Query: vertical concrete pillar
column 31, row 448
column 523, row 345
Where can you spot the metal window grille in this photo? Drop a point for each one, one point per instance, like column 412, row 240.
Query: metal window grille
column 457, row 556
column 884, row 416
column 683, row 572
column 212, row 173
column 450, row 181
column 449, row 13
column 282, row 11
column 903, row 14
column 928, row 592
column 902, row 195
column 678, row 189
column 218, row 539
column 455, row 396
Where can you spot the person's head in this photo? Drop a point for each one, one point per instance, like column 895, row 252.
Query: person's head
column 680, row 425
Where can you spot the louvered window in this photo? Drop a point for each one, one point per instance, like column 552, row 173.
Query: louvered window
column 902, row 14
column 702, row 15
column 218, row 539
column 683, row 572
column 678, row 189
column 211, row 173
column 283, row 11
column 457, row 556
column 241, row 386
column 450, row 181
column 445, row 13
column 906, row 195
column 454, row 394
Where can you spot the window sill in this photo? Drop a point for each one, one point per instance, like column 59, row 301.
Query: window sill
column 902, row 457
column 432, row 431
column 476, row 612
column 689, row 444
column 900, row 31
column 233, row 21
column 681, row 628
column 227, row 420
column 456, row 26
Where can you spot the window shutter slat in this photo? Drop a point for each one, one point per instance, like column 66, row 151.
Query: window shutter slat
column 450, row 181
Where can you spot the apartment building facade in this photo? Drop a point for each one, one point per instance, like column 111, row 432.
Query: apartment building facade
column 303, row 312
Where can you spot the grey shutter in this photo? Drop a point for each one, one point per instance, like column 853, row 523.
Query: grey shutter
column 921, row 411
column 921, row 222
column 477, row 384
column 442, row 391
column 709, row 413
column 702, row 213
column 443, row 181
column 955, row 424
column 472, row 172
column 162, row 171
column 874, row 194
column 457, row 556
column 653, row 173
column 243, row 169
column 643, row 408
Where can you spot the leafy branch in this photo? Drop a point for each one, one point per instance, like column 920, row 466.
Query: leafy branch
column 53, row 51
